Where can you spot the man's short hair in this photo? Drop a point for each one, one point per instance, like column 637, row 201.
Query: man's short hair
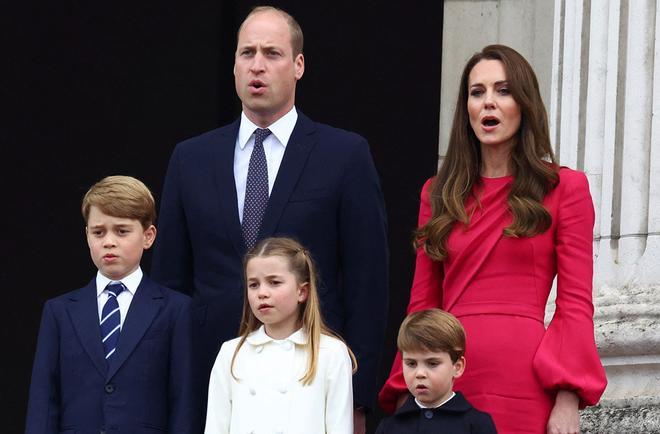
column 123, row 197
column 294, row 28
column 432, row 330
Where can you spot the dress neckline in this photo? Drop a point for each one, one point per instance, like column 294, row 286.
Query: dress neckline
column 497, row 180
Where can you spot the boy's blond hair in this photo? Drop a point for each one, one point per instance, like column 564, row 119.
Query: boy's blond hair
column 432, row 330
column 302, row 266
column 123, row 197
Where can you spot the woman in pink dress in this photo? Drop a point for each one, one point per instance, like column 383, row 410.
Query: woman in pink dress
column 499, row 221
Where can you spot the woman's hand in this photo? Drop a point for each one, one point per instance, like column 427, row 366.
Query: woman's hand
column 564, row 417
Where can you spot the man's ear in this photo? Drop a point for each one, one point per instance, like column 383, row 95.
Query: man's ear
column 299, row 66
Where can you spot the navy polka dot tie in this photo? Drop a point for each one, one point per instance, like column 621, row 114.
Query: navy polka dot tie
column 256, row 189
column 110, row 319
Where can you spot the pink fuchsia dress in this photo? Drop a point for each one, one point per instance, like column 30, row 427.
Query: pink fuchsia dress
column 498, row 287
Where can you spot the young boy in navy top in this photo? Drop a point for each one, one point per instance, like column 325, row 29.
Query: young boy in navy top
column 114, row 356
column 432, row 343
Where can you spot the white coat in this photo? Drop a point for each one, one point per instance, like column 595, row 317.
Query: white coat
column 268, row 397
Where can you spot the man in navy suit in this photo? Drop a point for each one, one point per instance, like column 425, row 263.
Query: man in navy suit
column 323, row 190
column 115, row 355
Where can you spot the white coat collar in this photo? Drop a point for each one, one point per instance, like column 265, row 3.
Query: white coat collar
column 259, row 337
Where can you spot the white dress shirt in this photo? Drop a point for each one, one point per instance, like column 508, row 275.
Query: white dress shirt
column 267, row 396
column 274, row 147
column 124, row 298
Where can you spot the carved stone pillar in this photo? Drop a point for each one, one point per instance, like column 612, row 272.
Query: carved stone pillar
column 604, row 98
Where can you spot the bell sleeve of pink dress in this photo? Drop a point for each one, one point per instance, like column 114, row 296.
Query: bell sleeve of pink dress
column 425, row 293
column 567, row 357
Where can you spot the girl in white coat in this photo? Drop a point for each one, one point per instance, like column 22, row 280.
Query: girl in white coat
column 286, row 372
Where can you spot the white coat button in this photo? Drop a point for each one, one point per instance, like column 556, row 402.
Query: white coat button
column 252, row 391
column 288, row 346
column 259, row 349
column 282, row 389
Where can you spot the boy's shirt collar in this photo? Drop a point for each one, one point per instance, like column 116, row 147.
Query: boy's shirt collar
column 131, row 282
column 458, row 404
column 420, row 405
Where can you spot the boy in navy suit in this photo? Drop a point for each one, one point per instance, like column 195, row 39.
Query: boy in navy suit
column 433, row 343
column 114, row 356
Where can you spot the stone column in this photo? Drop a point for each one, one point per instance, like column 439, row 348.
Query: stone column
column 598, row 65
column 616, row 143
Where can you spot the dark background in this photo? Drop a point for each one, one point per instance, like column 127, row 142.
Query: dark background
column 91, row 89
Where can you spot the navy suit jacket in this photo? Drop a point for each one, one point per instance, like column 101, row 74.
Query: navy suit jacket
column 144, row 389
column 326, row 195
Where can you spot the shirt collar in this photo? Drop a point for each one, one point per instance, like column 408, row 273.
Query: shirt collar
column 259, row 337
column 456, row 404
column 281, row 128
column 131, row 281
column 420, row 405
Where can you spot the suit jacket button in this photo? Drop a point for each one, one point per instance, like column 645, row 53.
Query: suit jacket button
column 428, row 414
column 109, row 388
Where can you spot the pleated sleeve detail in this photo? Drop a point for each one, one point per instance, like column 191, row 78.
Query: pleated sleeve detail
column 567, row 357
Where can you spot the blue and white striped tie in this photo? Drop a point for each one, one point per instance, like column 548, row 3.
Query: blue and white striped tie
column 110, row 319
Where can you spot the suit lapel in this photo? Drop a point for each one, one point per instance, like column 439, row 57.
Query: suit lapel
column 146, row 303
column 226, row 184
column 300, row 144
column 84, row 314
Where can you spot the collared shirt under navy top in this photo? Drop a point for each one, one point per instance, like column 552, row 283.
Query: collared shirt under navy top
column 274, row 147
column 131, row 282
column 455, row 416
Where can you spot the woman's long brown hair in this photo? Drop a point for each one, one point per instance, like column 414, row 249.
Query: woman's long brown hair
column 532, row 160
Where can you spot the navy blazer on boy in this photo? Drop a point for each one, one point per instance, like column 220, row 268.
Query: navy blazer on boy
column 456, row 416
column 326, row 195
column 145, row 388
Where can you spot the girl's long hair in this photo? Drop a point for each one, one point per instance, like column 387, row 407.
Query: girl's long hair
column 533, row 162
column 302, row 266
